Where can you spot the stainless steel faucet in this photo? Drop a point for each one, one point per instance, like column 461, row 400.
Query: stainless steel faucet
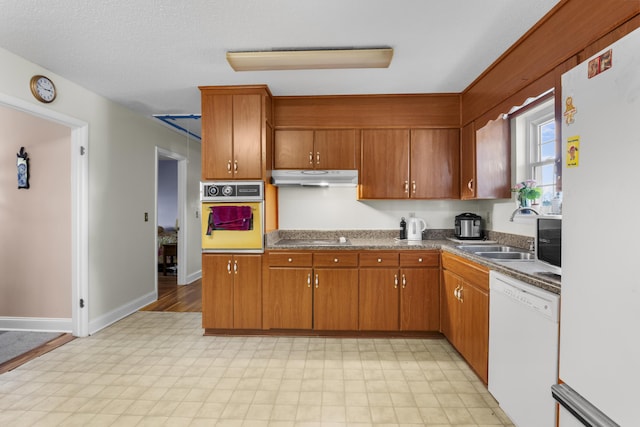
column 520, row 209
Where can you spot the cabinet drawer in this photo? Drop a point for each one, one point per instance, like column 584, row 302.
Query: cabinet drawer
column 419, row 259
column 471, row 272
column 335, row 259
column 289, row 259
column 379, row 259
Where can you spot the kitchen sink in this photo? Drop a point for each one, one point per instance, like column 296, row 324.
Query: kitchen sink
column 489, row 248
column 498, row 252
column 314, row 242
column 507, row 256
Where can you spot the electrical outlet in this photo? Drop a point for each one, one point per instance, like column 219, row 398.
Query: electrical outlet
column 488, row 218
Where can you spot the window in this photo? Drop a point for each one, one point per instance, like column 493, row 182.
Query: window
column 534, row 128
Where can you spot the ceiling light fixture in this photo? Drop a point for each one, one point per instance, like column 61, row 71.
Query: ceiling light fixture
column 310, row 59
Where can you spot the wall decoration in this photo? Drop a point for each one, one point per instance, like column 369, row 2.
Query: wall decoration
column 22, row 164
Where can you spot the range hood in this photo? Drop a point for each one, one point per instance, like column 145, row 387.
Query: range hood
column 314, row 178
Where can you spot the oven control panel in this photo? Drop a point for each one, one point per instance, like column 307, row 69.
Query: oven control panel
column 231, row 191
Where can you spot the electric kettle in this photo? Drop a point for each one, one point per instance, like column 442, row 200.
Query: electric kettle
column 415, row 227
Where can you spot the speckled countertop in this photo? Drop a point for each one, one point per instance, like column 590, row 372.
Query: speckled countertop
column 531, row 272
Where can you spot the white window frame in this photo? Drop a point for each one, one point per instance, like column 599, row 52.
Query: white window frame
column 525, row 125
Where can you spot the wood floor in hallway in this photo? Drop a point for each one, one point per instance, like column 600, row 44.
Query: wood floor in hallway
column 176, row 298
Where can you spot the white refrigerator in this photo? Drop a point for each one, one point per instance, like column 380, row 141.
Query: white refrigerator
column 599, row 366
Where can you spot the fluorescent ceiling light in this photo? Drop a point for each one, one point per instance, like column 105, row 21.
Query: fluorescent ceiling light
column 310, row 59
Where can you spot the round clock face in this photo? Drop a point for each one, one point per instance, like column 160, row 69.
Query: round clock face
column 43, row 89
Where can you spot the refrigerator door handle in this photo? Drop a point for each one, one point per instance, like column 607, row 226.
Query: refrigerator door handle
column 580, row 407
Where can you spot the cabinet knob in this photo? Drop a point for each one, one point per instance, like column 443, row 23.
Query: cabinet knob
column 336, row 260
column 419, row 259
column 290, row 260
column 379, row 259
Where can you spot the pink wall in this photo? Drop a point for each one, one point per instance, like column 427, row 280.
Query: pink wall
column 35, row 224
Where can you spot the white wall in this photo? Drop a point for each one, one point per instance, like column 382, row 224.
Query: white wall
column 122, row 256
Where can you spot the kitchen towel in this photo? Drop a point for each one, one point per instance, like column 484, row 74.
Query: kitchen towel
column 230, row 218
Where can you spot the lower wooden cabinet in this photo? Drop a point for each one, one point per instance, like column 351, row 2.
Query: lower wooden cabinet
column 307, row 290
column 464, row 308
column 231, row 291
column 420, row 291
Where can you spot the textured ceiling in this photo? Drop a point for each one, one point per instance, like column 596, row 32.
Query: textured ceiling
column 151, row 55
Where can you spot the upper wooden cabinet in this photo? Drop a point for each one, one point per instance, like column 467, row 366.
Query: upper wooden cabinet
column 403, row 163
column 236, row 121
column 485, row 158
column 315, row 149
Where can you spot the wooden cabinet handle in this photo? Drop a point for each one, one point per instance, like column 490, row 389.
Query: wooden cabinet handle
column 395, row 281
column 235, row 267
column 235, row 166
column 229, row 166
column 229, row 267
column 470, row 185
column 406, row 186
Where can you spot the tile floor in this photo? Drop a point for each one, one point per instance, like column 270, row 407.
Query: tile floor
column 156, row 369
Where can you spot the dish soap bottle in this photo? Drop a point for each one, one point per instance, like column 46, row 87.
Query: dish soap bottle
column 403, row 229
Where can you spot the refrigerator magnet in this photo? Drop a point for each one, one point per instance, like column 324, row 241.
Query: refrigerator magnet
column 573, row 151
column 569, row 110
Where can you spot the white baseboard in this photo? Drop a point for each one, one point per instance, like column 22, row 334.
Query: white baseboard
column 193, row 277
column 121, row 312
column 38, row 324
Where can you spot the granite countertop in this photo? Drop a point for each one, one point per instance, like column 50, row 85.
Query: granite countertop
column 531, row 272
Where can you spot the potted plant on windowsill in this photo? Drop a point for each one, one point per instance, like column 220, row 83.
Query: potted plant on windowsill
column 527, row 191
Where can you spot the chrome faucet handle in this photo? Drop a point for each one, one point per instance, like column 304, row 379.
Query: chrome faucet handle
column 520, row 209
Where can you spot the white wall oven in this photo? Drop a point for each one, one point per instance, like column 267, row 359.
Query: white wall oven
column 232, row 216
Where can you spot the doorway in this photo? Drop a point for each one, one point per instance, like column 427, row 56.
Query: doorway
column 79, row 322
column 171, row 178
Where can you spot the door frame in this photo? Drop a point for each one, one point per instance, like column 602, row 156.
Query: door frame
column 162, row 153
column 79, row 206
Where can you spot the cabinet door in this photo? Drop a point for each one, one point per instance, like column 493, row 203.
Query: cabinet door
column 247, row 292
column 217, row 136
column 335, row 299
column 468, row 162
column 474, row 315
column 247, row 136
column 335, row 149
column 435, row 164
column 217, row 291
column 385, row 164
column 293, row 149
column 419, row 299
column 379, row 294
column 290, row 298
column 493, row 160
column 450, row 309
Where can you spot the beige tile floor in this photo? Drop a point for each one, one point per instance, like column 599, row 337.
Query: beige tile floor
column 156, row 369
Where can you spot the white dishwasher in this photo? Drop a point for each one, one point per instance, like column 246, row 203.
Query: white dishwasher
column 523, row 350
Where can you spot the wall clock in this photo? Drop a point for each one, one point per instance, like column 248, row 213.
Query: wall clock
column 43, row 89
